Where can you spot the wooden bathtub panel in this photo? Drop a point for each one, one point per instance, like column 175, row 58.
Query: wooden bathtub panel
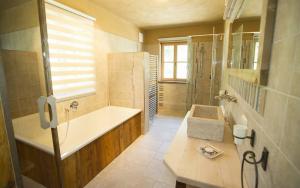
column 88, row 162
column 125, row 136
column 109, row 147
column 135, row 128
column 37, row 165
column 71, row 171
column 130, row 131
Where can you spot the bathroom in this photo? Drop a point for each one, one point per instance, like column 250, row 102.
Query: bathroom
column 158, row 94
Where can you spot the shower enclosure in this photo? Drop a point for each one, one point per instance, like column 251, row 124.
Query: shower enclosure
column 205, row 63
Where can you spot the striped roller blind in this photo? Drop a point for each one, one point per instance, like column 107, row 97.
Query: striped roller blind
column 71, row 50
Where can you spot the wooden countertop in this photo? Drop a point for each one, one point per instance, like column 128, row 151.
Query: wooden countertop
column 192, row 168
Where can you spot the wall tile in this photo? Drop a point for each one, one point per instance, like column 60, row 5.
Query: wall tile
column 291, row 137
column 282, row 66
column 275, row 104
column 287, row 19
column 22, row 93
column 126, row 85
column 284, row 175
column 295, row 89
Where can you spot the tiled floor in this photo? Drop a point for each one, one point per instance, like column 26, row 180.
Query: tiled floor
column 141, row 164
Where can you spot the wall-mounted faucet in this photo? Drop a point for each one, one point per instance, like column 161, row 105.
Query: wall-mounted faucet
column 74, row 105
column 227, row 97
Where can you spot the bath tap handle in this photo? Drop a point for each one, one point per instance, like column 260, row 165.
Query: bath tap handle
column 74, row 105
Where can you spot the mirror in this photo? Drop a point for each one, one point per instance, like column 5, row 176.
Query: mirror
column 244, row 47
column 250, row 41
column 244, row 37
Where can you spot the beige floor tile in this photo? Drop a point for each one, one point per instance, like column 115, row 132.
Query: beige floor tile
column 141, row 164
column 163, row 185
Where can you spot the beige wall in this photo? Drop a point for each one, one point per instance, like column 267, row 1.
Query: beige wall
column 278, row 129
column 251, row 25
column 172, row 99
column 106, row 20
column 105, row 43
column 19, row 17
column 151, row 37
column 22, row 93
column 128, row 82
column 174, row 95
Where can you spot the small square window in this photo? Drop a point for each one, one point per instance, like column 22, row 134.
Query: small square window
column 174, row 61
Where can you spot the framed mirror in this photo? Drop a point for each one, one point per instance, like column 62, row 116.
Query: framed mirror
column 250, row 40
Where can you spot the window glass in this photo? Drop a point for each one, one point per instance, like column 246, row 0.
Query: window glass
column 169, row 70
column 169, row 53
column 182, row 53
column 181, row 71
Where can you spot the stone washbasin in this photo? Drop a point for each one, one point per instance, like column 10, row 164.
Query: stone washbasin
column 206, row 122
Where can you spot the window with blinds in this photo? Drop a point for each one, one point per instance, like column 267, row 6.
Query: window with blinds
column 71, row 51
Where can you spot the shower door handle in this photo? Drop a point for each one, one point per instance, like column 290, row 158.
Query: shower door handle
column 51, row 101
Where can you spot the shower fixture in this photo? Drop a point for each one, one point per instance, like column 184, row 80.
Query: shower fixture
column 74, row 105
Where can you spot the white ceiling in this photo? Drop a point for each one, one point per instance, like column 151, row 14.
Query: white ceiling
column 158, row 13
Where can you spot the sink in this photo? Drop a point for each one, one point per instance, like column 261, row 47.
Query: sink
column 206, row 122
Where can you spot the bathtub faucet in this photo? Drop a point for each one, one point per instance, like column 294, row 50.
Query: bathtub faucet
column 74, row 105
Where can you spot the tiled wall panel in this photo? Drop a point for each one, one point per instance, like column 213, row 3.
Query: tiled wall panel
column 278, row 126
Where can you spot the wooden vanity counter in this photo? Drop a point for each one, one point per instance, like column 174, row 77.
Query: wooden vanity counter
column 191, row 168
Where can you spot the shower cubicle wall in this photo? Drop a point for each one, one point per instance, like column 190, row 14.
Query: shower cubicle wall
column 133, row 83
column 205, row 64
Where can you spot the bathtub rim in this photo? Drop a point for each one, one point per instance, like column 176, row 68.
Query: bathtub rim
column 69, row 152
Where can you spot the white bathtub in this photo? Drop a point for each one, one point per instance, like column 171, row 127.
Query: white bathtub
column 82, row 130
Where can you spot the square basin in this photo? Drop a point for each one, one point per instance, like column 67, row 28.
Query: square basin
column 206, row 122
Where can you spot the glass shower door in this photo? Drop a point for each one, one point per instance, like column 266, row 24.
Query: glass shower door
column 26, row 73
column 8, row 165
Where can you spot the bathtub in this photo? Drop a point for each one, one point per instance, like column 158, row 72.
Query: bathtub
column 93, row 141
column 82, row 130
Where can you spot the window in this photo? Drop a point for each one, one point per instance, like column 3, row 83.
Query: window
column 256, row 51
column 174, row 61
column 71, row 51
